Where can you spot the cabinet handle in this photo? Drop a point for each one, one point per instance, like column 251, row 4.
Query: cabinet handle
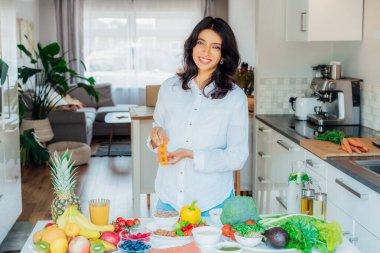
column 287, row 146
column 346, row 233
column 14, row 129
column 13, row 180
column 340, row 182
column 263, row 155
column 265, row 130
column 302, row 28
column 263, row 180
column 282, row 202
column 353, row 240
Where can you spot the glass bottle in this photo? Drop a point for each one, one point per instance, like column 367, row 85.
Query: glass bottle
column 294, row 191
column 319, row 205
column 307, row 201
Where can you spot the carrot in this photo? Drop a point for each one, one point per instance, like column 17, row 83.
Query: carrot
column 354, row 142
column 355, row 149
column 343, row 147
column 346, row 145
column 364, row 149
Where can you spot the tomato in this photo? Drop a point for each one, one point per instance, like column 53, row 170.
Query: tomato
column 119, row 219
column 122, row 223
column 226, row 229
column 129, row 223
column 202, row 224
column 117, row 227
column 232, row 234
column 136, row 221
column 187, row 233
column 250, row 222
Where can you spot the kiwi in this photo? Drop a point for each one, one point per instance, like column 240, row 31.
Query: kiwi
column 97, row 247
column 42, row 247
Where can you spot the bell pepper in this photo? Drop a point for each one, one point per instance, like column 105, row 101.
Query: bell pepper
column 191, row 213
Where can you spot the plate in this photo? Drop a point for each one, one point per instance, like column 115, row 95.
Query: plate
column 152, row 226
column 262, row 247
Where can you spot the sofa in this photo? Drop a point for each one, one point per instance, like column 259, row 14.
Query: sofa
column 82, row 124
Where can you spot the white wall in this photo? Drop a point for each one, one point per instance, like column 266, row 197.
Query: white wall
column 241, row 17
column 29, row 10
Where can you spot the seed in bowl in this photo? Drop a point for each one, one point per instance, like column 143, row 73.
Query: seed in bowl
column 166, row 214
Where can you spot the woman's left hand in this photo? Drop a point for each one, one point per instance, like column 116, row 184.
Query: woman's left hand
column 179, row 154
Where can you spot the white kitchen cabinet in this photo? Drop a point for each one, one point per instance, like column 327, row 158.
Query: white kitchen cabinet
column 10, row 175
column 364, row 240
column 324, row 20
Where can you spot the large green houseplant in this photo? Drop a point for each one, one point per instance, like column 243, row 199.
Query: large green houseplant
column 48, row 80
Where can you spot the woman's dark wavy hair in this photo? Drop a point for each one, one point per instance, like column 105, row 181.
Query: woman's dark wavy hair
column 224, row 75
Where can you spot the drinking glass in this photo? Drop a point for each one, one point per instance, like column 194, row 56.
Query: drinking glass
column 99, row 211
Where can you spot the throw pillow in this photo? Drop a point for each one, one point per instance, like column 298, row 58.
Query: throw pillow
column 105, row 96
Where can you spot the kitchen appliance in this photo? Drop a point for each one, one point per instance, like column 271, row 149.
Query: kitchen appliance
column 340, row 101
column 302, row 106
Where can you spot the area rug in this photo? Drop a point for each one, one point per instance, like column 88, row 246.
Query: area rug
column 117, row 149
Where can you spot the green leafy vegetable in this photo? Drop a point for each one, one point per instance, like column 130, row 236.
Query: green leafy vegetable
column 246, row 230
column 239, row 209
column 306, row 232
column 334, row 136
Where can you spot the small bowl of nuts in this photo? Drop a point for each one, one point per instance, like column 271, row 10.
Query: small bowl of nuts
column 166, row 219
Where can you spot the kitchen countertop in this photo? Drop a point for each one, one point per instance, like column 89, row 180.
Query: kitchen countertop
column 295, row 130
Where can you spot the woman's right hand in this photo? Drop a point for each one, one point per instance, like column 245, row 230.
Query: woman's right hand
column 157, row 136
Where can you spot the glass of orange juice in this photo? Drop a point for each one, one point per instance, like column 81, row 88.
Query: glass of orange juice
column 99, row 211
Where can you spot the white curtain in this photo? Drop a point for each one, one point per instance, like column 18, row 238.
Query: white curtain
column 133, row 43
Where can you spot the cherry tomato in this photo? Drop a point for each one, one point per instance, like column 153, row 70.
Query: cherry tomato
column 122, row 223
column 187, row 233
column 232, row 234
column 250, row 222
column 117, row 227
column 136, row 221
column 202, row 224
column 226, row 229
column 119, row 219
column 129, row 223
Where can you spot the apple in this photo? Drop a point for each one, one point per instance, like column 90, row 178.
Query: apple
column 79, row 244
column 110, row 237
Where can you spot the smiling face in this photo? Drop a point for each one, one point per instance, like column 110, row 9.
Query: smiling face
column 207, row 53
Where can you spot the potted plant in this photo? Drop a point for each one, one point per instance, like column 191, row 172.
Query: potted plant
column 44, row 84
column 245, row 78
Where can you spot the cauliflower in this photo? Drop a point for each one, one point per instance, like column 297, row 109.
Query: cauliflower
column 239, row 209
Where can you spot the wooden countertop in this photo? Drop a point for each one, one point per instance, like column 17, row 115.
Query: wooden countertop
column 142, row 113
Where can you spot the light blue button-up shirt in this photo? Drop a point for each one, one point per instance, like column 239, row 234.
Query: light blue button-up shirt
column 217, row 132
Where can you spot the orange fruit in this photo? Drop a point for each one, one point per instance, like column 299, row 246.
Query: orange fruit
column 52, row 234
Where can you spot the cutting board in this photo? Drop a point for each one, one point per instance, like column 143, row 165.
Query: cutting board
column 325, row 149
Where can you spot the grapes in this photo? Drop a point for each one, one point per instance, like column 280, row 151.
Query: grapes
column 130, row 245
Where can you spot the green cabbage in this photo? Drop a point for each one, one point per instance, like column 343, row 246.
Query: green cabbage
column 239, row 209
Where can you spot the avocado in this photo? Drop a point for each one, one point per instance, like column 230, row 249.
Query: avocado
column 277, row 237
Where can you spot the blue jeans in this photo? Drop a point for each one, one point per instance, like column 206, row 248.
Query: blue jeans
column 161, row 206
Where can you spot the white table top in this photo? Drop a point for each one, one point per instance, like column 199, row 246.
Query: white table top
column 346, row 247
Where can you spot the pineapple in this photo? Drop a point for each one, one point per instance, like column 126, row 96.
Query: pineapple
column 64, row 179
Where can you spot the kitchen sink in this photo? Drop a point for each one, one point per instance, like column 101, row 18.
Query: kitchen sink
column 372, row 165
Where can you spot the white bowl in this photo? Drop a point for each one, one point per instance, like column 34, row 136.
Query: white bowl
column 206, row 236
column 166, row 222
column 221, row 245
column 215, row 216
column 251, row 241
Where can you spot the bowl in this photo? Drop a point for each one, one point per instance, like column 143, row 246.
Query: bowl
column 228, row 247
column 215, row 216
column 166, row 219
column 131, row 248
column 206, row 236
column 250, row 241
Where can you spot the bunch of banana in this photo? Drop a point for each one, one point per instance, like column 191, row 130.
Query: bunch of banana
column 86, row 227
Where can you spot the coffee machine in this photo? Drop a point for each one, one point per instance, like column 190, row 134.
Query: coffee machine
column 340, row 101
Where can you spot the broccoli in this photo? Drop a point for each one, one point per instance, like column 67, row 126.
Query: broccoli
column 239, row 209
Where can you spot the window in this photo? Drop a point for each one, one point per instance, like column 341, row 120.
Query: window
column 134, row 43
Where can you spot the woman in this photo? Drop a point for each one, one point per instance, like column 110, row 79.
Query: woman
column 204, row 116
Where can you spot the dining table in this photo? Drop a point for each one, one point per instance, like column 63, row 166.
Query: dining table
column 159, row 243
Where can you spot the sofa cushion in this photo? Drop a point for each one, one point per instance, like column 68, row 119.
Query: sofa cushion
column 102, row 111
column 105, row 96
column 89, row 112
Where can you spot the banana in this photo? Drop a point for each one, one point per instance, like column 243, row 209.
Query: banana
column 89, row 234
column 82, row 221
column 63, row 219
column 107, row 245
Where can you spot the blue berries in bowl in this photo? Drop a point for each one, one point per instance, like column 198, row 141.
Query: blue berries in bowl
column 135, row 246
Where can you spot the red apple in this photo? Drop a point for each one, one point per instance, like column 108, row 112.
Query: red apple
column 110, row 237
column 79, row 244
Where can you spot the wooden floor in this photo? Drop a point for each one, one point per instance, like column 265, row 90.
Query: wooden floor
column 103, row 177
